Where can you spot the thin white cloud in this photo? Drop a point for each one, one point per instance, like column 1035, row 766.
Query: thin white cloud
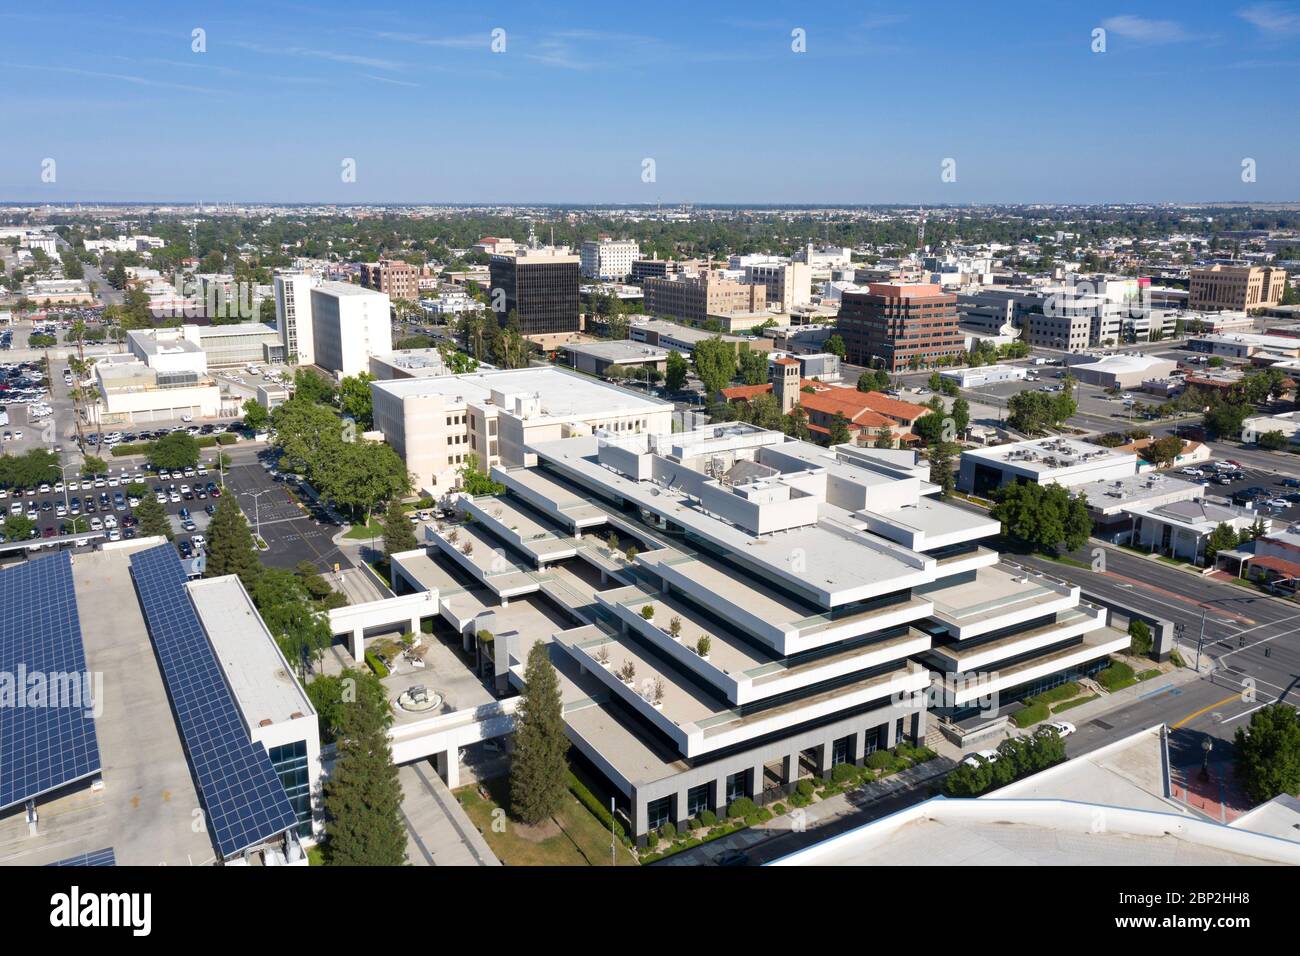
column 1272, row 18
column 472, row 41
column 1144, row 30
column 121, row 77
column 334, row 56
column 388, row 79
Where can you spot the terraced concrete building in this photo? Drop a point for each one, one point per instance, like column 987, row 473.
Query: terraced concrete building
column 787, row 608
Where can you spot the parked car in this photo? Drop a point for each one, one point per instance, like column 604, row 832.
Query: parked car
column 1060, row 727
column 974, row 759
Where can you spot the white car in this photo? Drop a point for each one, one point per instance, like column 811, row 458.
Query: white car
column 1061, row 727
column 1279, row 503
column 973, row 760
column 110, row 522
column 198, row 540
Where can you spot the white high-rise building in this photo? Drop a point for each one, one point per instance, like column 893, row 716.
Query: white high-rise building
column 349, row 324
column 293, row 319
column 609, row 259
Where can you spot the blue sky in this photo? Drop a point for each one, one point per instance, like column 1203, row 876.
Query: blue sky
column 583, row 93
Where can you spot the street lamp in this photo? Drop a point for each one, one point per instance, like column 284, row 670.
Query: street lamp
column 257, row 522
column 1206, row 746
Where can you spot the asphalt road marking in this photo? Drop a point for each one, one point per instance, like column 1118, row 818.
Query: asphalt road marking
column 1218, row 703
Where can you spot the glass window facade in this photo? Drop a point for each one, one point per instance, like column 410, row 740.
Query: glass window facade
column 290, row 762
column 697, row 800
column 658, row 812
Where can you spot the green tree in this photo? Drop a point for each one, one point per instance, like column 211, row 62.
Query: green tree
column 942, row 456
column 885, row 437
column 298, row 624
column 1222, row 538
column 835, row 345
column 676, row 368
column 539, row 768
column 363, row 475
column 1267, row 753
column 363, row 796
column 715, row 364
column 476, row 482
column 19, row 528
column 354, row 399
column 153, row 519
column 333, row 694
column 398, row 534
column 839, row 430
column 94, row 465
column 873, row 380
column 177, row 450
column 1043, row 516
column 230, row 548
column 311, row 386
column 1164, row 451
column 256, row 417
column 960, row 415
column 753, row 366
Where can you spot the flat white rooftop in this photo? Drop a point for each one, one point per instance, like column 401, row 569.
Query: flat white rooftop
column 1052, row 819
column 1043, row 455
column 565, row 395
column 259, row 676
column 832, row 561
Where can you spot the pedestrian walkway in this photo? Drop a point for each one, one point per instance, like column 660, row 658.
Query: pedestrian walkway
column 438, row 831
column 1218, row 795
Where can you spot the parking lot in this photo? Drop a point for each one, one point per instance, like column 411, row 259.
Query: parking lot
column 1272, row 489
column 102, row 504
column 293, row 532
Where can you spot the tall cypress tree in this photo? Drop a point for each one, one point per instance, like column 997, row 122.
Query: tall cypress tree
column 398, row 535
column 363, row 797
column 539, row 770
column 230, row 544
column 153, row 519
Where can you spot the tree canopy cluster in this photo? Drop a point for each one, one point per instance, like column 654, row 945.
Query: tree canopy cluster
column 1045, row 517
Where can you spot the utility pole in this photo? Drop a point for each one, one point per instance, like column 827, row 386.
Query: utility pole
column 1200, row 642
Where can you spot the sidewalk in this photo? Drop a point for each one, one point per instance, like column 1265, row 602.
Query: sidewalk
column 850, row 809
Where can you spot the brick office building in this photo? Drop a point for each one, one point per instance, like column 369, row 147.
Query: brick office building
column 894, row 324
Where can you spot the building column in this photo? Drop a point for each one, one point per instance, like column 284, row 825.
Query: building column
column 790, row 769
column 415, row 625
column 824, row 759
column 357, row 644
column 720, row 795
column 856, row 748
column 919, row 729
column 891, row 733
column 679, row 806
column 447, row 763
column 467, row 638
column 756, row 782
column 639, row 817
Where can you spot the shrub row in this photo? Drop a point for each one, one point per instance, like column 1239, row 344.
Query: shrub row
column 595, row 807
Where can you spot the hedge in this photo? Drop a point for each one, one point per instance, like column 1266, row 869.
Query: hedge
column 741, row 807
column 595, row 807
column 1116, row 677
column 376, row 664
column 202, row 441
column 1031, row 714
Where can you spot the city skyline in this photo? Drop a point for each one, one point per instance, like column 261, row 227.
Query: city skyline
column 270, row 102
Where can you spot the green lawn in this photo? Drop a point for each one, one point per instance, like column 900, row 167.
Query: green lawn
column 364, row 532
column 579, row 841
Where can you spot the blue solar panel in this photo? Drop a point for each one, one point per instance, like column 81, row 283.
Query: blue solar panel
column 47, row 741
column 94, row 858
column 243, row 796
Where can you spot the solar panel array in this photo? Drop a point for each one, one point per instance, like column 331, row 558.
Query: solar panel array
column 104, row 857
column 50, row 741
column 243, row 796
